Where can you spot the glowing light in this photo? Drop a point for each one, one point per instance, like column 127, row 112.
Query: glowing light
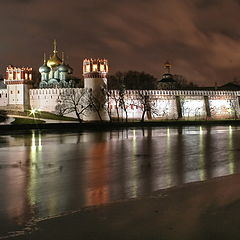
column 169, row 179
column 36, row 159
column 87, row 68
column 33, row 146
column 134, row 167
column 10, row 76
column 134, row 134
column 102, row 68
column 40, row 141
column 230, row 150
column 18, row 76
column 202, row 170
column 33, row 111
column 168, row 134
column 95, row 67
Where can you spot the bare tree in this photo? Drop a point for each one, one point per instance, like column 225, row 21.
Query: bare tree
column 73, row 100
column 96, row 102
column 146, row 105
column 122, row 100
column 118, row 82
column 116, row 99
column 233, row 107
column 107, row 104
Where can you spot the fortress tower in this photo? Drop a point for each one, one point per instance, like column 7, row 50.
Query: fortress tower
column 95, row 79
column 18, row 81
column 95, row 73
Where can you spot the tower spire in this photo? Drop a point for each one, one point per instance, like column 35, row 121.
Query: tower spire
column 44, row 58
column 63, row 58
column 55, row 46
column 167, row 66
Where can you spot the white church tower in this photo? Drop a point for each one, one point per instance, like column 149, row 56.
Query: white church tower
column 18, row 81
column 95, row 80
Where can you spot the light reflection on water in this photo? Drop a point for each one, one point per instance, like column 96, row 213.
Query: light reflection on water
column 46, row 174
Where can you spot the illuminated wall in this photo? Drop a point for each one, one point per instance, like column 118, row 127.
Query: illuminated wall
column 193, row 107
column 165, row 108
column 46, row 99
column 223, row 107
column 222, row 104
column 164, row 103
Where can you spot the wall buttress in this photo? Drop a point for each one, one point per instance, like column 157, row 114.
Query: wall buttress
column 207, row 107
column 179, row 108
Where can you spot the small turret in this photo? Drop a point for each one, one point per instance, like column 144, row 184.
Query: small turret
column 95, row 67
column 18, row 75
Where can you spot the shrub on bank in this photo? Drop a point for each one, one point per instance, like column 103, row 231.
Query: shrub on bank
column 3, row 115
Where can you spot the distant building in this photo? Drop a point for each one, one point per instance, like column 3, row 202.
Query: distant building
column 167, row 81
column 230, row 86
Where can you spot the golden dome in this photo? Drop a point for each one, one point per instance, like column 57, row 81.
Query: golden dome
column 54, row 61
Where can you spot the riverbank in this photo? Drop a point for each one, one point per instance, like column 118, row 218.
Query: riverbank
column 202, row 210
column 116, row 125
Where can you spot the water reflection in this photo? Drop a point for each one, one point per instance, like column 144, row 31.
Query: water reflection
column 45, row 174
column 97, row 191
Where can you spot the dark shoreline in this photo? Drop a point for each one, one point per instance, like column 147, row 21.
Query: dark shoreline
column 193, row 211
column 102, row 126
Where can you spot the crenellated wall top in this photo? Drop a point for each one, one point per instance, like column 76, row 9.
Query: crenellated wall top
column 179, row 92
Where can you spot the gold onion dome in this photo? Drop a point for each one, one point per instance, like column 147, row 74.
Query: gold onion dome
column 54, row 60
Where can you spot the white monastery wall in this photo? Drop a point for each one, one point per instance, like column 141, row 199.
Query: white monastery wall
column 44, row 99
column 222, row 104
column 224, row 107
column 193, row 107
column 166, row 108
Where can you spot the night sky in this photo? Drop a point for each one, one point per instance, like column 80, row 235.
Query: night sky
column 200, row 37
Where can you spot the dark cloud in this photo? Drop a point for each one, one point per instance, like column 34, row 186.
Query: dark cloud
column 19, row 1
column 200, row 37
